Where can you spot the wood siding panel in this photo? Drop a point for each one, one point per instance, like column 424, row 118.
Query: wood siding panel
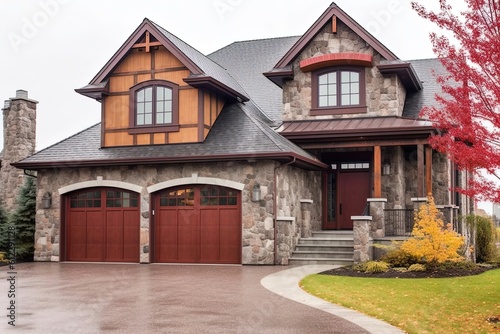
column 134, row 61
column 173, row 76
column 185, row 135
column 116, row 114
column 143, row 77
column 165, row 59
column 118, row 139
column 188, row 106
column 144, row 139
column 159, row 138
column 121, row 83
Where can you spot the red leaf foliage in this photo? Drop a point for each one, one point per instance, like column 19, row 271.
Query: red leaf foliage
column 469, row 113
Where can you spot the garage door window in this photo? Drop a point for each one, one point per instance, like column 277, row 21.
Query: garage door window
column 179, row 197
column 121, row 199
column 91, row 199
column 218, row 196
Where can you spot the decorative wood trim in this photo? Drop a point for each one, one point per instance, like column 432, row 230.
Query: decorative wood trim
column 171, row 69
column 336, row 59
column 428, row 169
column 201, row 114
column 334, row 24
column 420, row 170
column 377, row 172
column 103, row 124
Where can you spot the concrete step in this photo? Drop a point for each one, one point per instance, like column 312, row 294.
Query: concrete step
column 331, row 261
column 324, row 248
column 323, row 254
column 328, row 234
column 337, row 241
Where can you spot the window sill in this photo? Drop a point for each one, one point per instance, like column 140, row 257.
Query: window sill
column 154, row 129
column 338, row 111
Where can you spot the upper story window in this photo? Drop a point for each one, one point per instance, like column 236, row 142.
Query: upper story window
column 338, row 91
column 154, row 107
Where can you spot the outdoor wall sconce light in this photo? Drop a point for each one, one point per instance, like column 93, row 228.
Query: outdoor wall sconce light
column 47, row 200
column 256, row 193
column 386, row 168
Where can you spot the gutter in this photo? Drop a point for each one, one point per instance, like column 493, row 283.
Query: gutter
column 275, row 203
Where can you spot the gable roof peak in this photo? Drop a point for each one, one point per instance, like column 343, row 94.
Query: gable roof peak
column 200, row 66
column 334, row 11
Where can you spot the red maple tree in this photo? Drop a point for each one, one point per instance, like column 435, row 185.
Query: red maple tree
column 469, row 113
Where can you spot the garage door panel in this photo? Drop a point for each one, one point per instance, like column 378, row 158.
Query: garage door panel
column 210, row 238
column 198, row 230
column 114, row 236
column 166, row 235
column 230, row 232
column 188, row 235
column 97, row 232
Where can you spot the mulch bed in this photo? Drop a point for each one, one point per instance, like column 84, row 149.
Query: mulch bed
column 401, row 273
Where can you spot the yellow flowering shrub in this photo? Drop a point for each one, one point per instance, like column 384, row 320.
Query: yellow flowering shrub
column 431, row 239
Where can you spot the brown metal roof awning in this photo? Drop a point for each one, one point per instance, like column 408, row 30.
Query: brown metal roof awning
column 357, row 132
column 356, row 128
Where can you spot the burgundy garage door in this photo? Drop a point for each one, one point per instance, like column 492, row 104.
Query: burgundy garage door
column 198, row 224
column 102, row 225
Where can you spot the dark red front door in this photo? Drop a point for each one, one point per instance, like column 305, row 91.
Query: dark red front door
column 345, row 191
column 198, row 224
column 353, row 191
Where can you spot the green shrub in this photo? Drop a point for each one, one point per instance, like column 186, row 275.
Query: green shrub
column 399, row 258
column 372, row 267
column 485, row 238
column 417, row 267
column 464, row 265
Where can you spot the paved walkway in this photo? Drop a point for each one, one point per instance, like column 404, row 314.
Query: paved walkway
column 285, row 283
column 116, row 298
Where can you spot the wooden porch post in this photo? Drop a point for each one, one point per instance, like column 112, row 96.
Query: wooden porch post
column 377, row 172
column 420, row 170
column 428, row 170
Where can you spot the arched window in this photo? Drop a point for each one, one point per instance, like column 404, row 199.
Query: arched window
column 154, row 107
column 338, row 90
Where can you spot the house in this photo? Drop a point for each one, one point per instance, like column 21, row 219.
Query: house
column 234, row 157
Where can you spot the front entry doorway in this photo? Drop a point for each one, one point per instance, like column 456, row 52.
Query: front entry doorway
column 346, row 186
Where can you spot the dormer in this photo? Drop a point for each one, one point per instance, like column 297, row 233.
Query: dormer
column 338, row 69
column 156, row 89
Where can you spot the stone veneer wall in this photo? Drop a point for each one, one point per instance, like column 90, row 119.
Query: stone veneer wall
column 385, row 95
column 294, row 185
column 257, row 217
column 19, row 132
column 440, row 176
column 394, row 185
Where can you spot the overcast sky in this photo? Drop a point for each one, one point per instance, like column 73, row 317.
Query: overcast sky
column 51, row 47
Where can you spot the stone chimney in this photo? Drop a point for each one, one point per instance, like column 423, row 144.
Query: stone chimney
column 19, row 138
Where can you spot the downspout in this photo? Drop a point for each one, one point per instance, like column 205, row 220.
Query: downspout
column 275, row 203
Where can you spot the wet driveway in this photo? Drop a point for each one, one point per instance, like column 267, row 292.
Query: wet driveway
column 125, row 298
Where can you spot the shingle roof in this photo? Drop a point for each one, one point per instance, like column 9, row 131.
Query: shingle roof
column 207, row 65
column 248, row 60
column 255, row 140
column 415, row 101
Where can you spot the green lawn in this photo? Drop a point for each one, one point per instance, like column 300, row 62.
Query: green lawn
column 425, row 305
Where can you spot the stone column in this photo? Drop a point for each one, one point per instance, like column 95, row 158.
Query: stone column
column 305, row 206
column 377, row 207
column 286, row 239
column 19, row 136
column 418, row 202
column 362, row 241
